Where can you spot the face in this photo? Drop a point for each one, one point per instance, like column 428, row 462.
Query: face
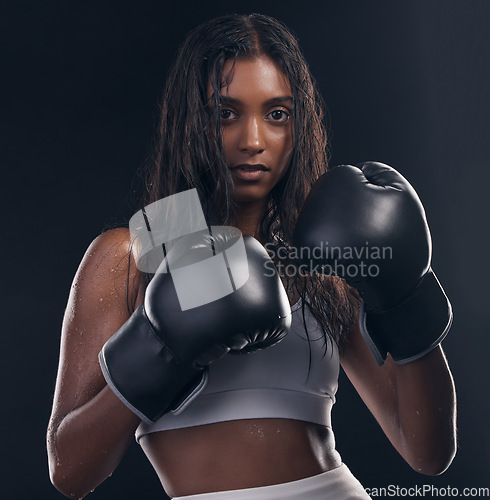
column 256, row 117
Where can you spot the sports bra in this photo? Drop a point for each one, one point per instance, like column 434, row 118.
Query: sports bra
column 294, row 379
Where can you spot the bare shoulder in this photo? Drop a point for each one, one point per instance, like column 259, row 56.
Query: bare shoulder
column 108, row 270
column 109, row 251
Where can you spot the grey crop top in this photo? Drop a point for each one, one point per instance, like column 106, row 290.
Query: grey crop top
column 270, row 383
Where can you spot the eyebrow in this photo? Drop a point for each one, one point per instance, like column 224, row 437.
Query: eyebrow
column 269, row 102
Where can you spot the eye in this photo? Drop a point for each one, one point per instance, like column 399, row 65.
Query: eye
column 279, row 115
column 227, row 114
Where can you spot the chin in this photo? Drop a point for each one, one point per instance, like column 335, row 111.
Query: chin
column 249, row 196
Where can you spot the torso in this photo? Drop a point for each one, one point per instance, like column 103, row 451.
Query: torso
column 240, row 453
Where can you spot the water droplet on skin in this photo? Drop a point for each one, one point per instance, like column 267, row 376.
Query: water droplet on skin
column 256, row 430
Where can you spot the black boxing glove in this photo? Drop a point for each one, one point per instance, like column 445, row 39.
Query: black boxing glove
column 367, row 225
column 212, row 294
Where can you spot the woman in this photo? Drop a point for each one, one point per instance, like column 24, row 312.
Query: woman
column 242, row 123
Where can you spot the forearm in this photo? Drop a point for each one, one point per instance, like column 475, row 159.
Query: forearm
column 425, row 433
column 86, row 445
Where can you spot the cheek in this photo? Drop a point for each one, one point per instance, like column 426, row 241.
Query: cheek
column 284, row 148
column 227, row 141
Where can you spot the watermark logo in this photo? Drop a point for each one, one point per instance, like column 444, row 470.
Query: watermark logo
column 426, row 490
column 350, row 262
column 206, row 262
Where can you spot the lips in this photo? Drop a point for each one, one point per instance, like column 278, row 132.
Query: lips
column 248, row 167
column 249, row 172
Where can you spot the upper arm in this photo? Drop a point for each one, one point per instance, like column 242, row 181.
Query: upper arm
column 105, row 283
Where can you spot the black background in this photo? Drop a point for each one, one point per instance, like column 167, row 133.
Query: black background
column 406, row 83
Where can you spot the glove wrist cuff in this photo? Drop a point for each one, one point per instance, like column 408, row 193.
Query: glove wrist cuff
column 144, row 374
column 411, row 329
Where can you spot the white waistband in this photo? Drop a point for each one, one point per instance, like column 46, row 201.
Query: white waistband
column 336, row 484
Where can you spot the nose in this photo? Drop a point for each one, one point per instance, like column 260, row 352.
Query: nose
column 252, row 138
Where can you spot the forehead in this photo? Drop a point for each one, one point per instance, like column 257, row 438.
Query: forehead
column 256, row 78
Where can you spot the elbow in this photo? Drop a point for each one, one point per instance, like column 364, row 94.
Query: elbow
column 72, row 470
column 61, row 480
column 64, row 477
column 58, row 472
column 436, row 462
column 441, row 463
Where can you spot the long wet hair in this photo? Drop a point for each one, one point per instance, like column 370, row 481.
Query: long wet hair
column 189, row 149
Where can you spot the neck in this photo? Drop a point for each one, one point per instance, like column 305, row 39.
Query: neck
column 248, row 218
